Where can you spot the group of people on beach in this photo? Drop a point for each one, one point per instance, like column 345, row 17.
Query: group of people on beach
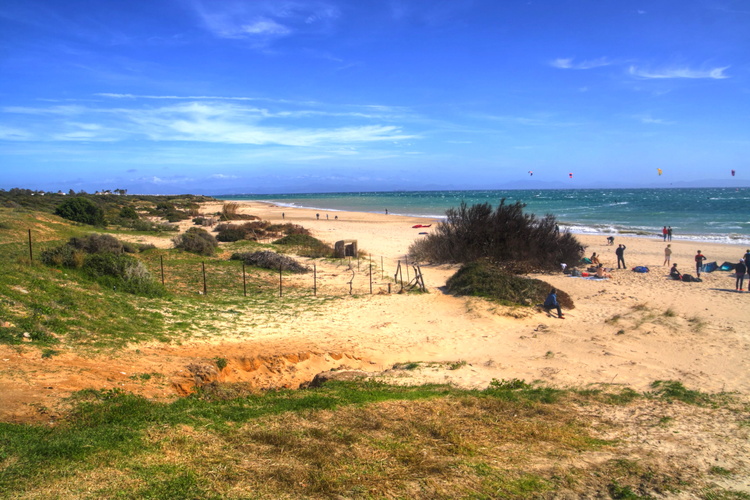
column 667, row 233
column 740, row 269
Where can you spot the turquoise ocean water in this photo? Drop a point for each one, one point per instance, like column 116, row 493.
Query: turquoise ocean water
column 703, row 214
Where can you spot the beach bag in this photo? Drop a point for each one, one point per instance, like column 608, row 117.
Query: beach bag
column 688, row 278
column 728, row 266
column 585, row 260
column 640, row 269
column 710, row 267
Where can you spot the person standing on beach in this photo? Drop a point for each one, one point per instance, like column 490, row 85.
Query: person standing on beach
column 667, row 255
column 620, row 252
column 386, row 211
column 746, row 258
column 740, row 274
column 664, row 233
column 669, row 233
column 699, row 258
column 551, row 303
column 283, row 216
column 317, row 216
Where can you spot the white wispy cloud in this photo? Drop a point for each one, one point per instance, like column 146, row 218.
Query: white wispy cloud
column 570, row 63
column 650, row 120
column 204, row 122
column 681, row 72
column 263, row 21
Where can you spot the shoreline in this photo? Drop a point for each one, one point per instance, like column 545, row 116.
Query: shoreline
column 575, row 228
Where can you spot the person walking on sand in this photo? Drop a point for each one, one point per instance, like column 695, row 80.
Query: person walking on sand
column 664, row 233
column 667, row 255
column 620, row 252
column 317, row 216
column 551, row 303
column 740, row 271
column 699, row 258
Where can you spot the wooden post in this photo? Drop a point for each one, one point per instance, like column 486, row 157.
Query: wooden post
column 389, row 288
column 357, row 262
column 161, row 264
column 205, row 288
column 31, row 253
column 370, row 277
column 280, row 289
column 244, row 280
column 315, row 280
column 382, row 269
column 406, row 264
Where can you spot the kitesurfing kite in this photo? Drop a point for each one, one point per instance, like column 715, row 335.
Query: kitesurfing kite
column 732, row 173
column 570, row 175
column 532, row 173
column 658, row 170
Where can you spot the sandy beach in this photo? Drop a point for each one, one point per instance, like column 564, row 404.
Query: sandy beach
column 632, row 329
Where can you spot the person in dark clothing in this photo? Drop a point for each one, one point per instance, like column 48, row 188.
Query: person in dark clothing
column 552, row 303
column 699, row 258
column 746, row 258
column 620, row 252
column 669, row 233
column 674, row 273
column 740, row 271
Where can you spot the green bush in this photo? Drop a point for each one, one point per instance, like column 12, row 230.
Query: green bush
column 306, row 245
column 81, row 209
column 481, row 279
column 128, row 212
column 122, row 272
column 520, row 241
column 196, row 240
column 230, row 232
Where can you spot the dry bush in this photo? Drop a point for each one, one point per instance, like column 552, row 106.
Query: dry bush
column 196, row 240
column 270, row 260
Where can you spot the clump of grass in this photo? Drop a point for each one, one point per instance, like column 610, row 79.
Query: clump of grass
column 196, row 240
column 306, row 245
column 457, row 364
column 221, row 363
column 669, row 313
column 672, row 390
column 48, row 353
column 614, row 319
column 406, row 366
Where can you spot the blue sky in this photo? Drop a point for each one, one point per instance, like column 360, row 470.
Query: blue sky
column 255, row 96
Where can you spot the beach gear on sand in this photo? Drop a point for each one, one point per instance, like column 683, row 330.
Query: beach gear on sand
column 640, row 269
column 689, row 278
column 710, row 267
column 727, row 266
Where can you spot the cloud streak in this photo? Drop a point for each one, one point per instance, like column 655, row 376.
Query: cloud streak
column 667, row 73
column 201, row 122
column 569, row 63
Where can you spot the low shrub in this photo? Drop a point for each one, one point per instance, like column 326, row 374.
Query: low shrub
column 97, row 243
column 196, row 240
column 79, row 209
column 128, row 212
column 270, row 260
column 306, row 245
column 230, row 232
column 482, row 279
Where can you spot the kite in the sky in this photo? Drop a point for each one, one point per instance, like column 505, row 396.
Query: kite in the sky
column 570, row 175
column 532, row 173
column 732, row 173
column 658, row 170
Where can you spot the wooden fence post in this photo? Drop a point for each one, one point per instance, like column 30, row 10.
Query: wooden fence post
column 370, row 276
column 205, row 288
column 280, row 286
column 31, row 253
column 244, row 280
column 315, row 280
column 161, row 264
